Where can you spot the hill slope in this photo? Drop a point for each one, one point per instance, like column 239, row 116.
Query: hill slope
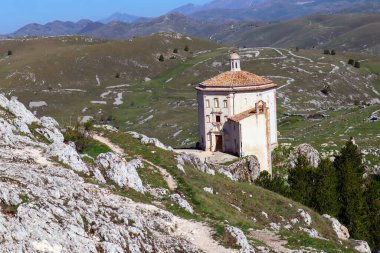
column 65, row 201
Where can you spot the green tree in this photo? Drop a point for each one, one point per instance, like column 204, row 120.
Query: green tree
column 175, row 51
column 10, row 52
column 301, row 181
column 357, row 65
column 373, row 201
column 351, row 62
column 187, row 48
column 161, row 58
column 326, row 51
column 325, row 192
column 333, row 52
column 275, row 184
column 353, row 207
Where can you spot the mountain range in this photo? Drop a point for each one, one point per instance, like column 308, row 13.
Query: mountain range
column 345, row 25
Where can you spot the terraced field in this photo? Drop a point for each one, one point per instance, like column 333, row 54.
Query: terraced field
column 124, row 84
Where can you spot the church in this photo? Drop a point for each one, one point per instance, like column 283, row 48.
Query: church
column 237, row 114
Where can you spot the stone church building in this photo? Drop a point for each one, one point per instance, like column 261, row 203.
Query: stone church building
column 237, row 114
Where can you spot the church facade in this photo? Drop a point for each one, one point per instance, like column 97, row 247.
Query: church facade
column 237, row 114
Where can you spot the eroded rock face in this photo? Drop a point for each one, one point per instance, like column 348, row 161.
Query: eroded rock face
column 306, row 216
column 150, row 141
column 340, row 230
column 235, row 237
column 247, row 169
column 181, row 202
column 363, row 247
column 195, row 162
column 123, row 173
column 311, row 154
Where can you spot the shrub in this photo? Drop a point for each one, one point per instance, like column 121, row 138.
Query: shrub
column 333, row 52
column 351, row 62
column 175, row 51
column 326, row 90
column 161, row 58
column 357, row 65
column 326, row 51
column 117, row 75
column 10, row 53
column 187, row 48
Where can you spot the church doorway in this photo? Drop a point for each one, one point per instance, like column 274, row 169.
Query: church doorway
column 219, row 143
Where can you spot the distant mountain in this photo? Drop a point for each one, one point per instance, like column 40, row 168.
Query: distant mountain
column 54, row 28
column 270, row 10
column 122, row 17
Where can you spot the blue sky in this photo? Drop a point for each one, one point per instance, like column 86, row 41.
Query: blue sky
column 16, row 13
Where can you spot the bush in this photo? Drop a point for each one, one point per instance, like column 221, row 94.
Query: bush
column 333, row 52
column 175, row 51
column 357, row 65
column 187, row 49
column 117, row 75
column 326, row 51
column 326, row 90
column 10, row 52
column 351, row 62
column 161, row 58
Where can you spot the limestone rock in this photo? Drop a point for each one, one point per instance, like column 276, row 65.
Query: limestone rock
column 123, row 173
column 247, row 169
column 363, row 247
column 67, row 154
column 235, row 237
column 306, row 216
column 340, row 230
column 209, row 190
column 195, row 162
column 306, row 150
column 181, row 202
column 150, row 141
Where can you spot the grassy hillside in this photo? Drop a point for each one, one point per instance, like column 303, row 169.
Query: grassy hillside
column 164, row 106
column 344, row 32
column 234, row 203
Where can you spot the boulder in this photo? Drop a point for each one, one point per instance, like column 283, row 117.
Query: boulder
column 181, row 202
column 67, row 154
column 340, row 230
column 120, row 171
column 247, row 169
column 363, row 247
column 306, row 216
column 150, row 141
column 236, row 238
column 311, row 154
column 194, row 161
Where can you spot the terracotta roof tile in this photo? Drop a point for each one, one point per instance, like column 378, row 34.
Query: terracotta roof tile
column 243, row 115
column 236, row 79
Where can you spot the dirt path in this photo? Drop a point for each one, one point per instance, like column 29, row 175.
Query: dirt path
column 271, row 240
column 165, row 174
column 35, row 153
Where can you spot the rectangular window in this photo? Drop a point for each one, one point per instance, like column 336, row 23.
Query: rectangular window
column 225, row 104
column 207, row 103
column 208, row 119
column 216, row 103
column 217, row 118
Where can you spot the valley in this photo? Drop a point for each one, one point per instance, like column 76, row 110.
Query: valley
column 322, row 100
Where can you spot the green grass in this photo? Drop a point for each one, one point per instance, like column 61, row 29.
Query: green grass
column 301, row 240
column 94, row 148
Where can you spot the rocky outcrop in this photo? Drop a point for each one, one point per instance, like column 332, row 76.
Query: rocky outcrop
column 181, row 202
column 340, row 230
column 246, row 169
column 363, row 247
column 194, row 161
column 150, row 141
column 123, row 173
column 306, row 150
column 236, row 238
column 305, row 216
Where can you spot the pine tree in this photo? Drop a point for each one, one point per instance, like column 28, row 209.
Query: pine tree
column 353, row 211
column 161, row 58
column 301, row 181
column 325, row 192
column 373, row 201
